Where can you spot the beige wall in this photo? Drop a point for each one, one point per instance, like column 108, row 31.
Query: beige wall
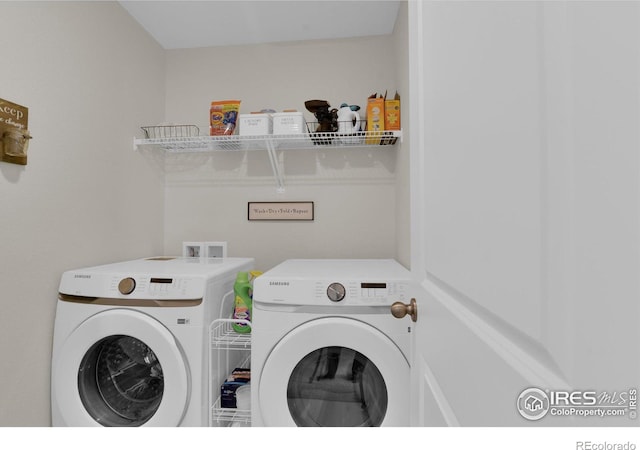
column 354, row 191
column 90, row 77
column 403, row 209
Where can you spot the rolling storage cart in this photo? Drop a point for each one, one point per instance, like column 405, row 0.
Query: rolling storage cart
column 228, row 350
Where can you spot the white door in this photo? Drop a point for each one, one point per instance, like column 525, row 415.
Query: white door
column 526, row 197
column 121, row 368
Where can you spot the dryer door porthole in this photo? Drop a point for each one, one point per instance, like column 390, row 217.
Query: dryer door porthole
column 337, row 387
column 335, row 372
column 121, row 368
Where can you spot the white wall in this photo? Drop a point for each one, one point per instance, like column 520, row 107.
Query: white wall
column 90, row 77
column 353, row 190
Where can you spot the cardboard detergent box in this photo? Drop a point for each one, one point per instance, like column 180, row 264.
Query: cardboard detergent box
column 239, row 377
column 392, row 113
column 375, row 119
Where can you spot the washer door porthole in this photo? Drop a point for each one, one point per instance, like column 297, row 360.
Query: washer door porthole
column 120, row 367
column 120, row 381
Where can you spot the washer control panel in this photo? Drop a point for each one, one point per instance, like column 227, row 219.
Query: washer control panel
column 142, row 286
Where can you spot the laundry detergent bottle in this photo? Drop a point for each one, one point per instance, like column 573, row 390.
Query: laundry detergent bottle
column 242, row 305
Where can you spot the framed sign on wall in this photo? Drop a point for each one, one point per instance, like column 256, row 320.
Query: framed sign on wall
column 280, row 211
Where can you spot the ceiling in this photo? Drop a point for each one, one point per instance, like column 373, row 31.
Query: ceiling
column 192, row 24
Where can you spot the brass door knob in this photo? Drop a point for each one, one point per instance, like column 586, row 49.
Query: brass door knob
column 399, row 310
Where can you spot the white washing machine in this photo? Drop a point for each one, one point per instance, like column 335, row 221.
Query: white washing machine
column 130, row 344
column 326, row 350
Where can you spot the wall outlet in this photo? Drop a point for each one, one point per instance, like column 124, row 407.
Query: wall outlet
column 204, row 249
column 215, row 249
column 193, row 249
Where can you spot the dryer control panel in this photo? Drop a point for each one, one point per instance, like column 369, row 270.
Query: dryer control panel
column 362, row 293
column 339, row 293
column 335, row 283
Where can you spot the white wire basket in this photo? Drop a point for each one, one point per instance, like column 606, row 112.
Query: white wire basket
column 170, row 131
column 224, row 336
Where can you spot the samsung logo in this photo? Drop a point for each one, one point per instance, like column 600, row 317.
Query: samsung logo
column 278, row 283
column 82, row 276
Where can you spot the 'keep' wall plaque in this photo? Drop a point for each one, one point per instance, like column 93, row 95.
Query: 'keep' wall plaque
column 14, row 132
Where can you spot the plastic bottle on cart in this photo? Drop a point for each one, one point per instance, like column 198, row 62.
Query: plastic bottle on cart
column 242, row 304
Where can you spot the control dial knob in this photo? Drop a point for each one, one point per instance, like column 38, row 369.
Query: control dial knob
column 336, row 292
column 127, row 285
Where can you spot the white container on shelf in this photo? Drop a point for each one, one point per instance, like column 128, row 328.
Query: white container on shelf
column 289, row 123
column 255, row 124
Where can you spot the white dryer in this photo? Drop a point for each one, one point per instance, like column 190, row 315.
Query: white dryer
column 326, row 350
column 130, row 344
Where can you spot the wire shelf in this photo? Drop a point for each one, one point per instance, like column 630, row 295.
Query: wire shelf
column 204, row 143
column 271, row 141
